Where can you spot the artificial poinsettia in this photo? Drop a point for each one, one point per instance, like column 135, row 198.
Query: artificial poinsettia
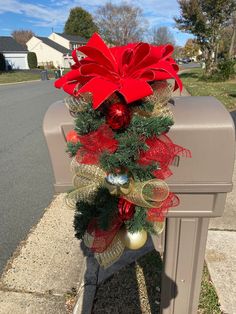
column 126, row 69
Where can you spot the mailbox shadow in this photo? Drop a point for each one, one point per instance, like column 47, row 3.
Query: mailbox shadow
column 128, row 291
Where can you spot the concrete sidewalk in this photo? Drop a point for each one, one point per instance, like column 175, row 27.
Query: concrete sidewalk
column 47, row 270
column 49, row 273
column 221, row 253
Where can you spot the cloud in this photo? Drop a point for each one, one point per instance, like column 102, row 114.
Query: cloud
column 54, row 13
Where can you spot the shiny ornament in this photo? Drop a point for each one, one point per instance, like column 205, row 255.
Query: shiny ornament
column 72, row 137
column 118, row 116
column 126, row 209
column 134, row 241
column 117, row 179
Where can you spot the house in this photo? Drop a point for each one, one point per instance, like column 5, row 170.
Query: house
column 15, row 54
column 69, row 41
column 56, row 49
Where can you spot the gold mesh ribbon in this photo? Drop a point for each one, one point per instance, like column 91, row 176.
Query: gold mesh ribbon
column 116, row 248
column 88, row 178
column 162, row 92
column 76, row 105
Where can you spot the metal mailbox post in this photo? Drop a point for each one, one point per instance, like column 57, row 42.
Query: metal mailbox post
column 205, row 127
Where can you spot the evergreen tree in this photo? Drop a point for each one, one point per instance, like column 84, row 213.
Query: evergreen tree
column 205, row 19
column 2, row 62
column 80, row 22
column 32, row 60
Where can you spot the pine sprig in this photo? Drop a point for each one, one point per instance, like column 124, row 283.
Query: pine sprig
column 88, row 120
column 152, row 126
column 139, row 222
column 103, row 208
column 73, row 148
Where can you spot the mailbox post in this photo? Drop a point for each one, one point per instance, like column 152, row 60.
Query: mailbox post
column 205, row 127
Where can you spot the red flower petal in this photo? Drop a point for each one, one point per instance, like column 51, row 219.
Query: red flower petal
column 100, row 88
column 134, row 89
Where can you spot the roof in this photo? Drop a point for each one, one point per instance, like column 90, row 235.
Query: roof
column 73, row 38
column 53, row 44
column 8, row 44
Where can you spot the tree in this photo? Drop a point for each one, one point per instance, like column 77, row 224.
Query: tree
column 162, row 35
column 191, row 48
column 205, row 19
column 22, row 36
column 233, row 38
column 81, row 23
column 2, row 62
column 32, row 60
column 120, row 24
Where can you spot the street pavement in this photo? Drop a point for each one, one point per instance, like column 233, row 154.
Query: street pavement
column 26, row 179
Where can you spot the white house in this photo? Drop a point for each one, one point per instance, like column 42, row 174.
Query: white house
column 56, row 49
column 69, row 41
column 15, row 54
column 48, row 51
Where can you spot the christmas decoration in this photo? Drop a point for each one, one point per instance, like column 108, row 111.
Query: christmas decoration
column 118, row 116
column 72, row 137
column 121, row 153
column 134, row 241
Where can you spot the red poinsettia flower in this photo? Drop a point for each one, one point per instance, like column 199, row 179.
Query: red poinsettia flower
column 95, row 143
column 163, row 151
column 126, row 69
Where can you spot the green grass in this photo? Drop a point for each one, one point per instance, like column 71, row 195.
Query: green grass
column 136, row 289
column 223, row 91
column 208, row 302
column 21, row 76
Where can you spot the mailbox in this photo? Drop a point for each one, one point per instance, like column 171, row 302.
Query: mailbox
column 205, row 127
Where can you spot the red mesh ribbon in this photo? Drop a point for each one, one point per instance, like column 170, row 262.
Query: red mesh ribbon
column 102, row 239
column 163, row 151
column 95, row 143
column 159, row 214
column 126, row 70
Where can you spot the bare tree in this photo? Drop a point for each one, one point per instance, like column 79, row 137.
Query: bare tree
column 162, row 35
column 22, row 36
column 120, row 24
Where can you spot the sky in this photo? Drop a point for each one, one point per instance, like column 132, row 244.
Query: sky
column 44, row 16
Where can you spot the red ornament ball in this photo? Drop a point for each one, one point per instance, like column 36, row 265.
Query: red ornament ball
column 72, row 137
column 126, row 209
column 118, row 116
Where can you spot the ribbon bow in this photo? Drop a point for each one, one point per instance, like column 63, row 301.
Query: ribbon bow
column 126, row 69
column 88, row 178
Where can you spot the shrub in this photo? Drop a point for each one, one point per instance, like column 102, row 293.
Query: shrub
column 32, row 60
column 2, row 62
column 226, row 69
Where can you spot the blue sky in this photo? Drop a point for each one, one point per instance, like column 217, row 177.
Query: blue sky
column 42, row 16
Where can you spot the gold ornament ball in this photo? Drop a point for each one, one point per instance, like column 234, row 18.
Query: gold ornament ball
column 134, row 241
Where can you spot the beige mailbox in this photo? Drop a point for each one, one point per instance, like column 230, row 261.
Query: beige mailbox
column 204, row 126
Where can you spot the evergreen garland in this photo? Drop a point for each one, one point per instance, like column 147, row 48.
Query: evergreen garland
column 73, row 148
column 139, row 222
column 88, row 120
column 103, row 208
column 131, row 142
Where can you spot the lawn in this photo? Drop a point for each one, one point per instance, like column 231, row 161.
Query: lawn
column 223, row 91
column 21, row 76
column 136, row 289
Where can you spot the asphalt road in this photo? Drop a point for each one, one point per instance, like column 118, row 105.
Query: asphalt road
column 26, row 179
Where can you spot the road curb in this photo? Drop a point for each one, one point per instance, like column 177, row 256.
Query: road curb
column 95, row 275
column 15, row 83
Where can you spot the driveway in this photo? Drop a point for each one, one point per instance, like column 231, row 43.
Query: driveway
column 26, row 184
